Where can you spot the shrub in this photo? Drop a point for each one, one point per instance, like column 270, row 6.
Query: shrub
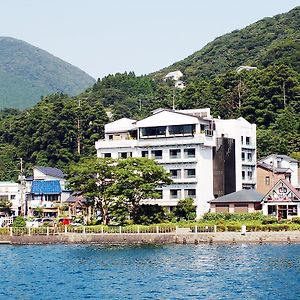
column 296, row 220
column 19, row 222
column 269, row 220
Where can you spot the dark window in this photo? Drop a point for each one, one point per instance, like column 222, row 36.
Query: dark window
column 154, row 131
column 175, row 153
column 106, row 155
column 124, row 154
column 190, row 193
column 249, row 156
column 175, row 173
column 247, row 140
column 202, row 127
column 250, row 174
column 182, row 129
column 242, row 139
column 110, row 137
column 12, row 197
column 243, row 174
column 243, row 156
column 156, row 154
column 190, row 173
column 145, row 153
column 272, row 210
column 190, row 153
column 292, row 210
column 175, row 194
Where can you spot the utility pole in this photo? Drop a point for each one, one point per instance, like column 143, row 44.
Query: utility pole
column 78, row 129
column 174, row 99
column 140, row 104
column 21, row 178
column 284, row 97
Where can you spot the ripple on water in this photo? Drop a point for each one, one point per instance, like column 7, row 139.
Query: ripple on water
column 153, row 272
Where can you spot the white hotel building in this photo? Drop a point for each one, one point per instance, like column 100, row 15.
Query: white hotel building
column 206, row 157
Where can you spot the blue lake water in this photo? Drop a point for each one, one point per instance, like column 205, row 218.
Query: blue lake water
column 150, row 272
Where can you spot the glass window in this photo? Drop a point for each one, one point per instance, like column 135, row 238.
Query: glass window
column 156, row 154
column 267, row 180
column 272, row 210
column 250, row 174
column 124, row 154
column 106, row 155
column 12, row 197
column 175, row 194
column 242, row 139
column 249, row 156
column 243, row 174
column 145, row 153
column 182, row 129
column 190, row 193
column 110, row 137
column 190, row 153
column 247, row 140
column 190, row 173
column 292, row 210
column 175, row 153
column 243, row 156
column 154, row 131
column 175, row 173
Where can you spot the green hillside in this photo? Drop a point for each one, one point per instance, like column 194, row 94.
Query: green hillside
column 269, row 40
column 27, row 73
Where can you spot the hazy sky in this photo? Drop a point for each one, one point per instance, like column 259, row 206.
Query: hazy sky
column 103, row 37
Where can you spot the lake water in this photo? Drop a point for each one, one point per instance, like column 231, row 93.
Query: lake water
column 150, row 272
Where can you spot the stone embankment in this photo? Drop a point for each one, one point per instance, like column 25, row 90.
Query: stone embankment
column 155, row 238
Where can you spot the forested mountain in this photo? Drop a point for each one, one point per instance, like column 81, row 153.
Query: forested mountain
column 268, row 41
column 48, row 133
column 27, row 73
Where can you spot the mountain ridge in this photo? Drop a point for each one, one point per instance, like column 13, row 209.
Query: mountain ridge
column 28, row 72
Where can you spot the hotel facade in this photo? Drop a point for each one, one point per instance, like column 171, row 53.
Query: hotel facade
column 206, row 157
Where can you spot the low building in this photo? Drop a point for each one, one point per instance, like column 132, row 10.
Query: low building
column 11, row 191
column 274, row 167
column 282, row 201
column 45, row 191
column 243, row 201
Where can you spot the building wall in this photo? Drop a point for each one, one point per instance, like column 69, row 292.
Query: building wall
column 266, row 179
column 12, row 192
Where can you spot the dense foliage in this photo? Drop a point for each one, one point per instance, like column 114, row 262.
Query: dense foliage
column 260, row 44
column 117, row 184
column 27, row 73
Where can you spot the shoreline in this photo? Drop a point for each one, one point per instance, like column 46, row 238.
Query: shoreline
column 286, row 237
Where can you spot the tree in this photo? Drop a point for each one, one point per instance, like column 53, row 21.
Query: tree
column 5, row 206
column 93, row 177
column 185, row 209
column 137, row 180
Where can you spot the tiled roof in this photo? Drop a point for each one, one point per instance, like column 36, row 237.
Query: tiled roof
column 240, row 196
column 45, row 187
column 54, row 172
column 271, row 168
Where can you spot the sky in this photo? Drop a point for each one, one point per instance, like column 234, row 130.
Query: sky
column 106, row 37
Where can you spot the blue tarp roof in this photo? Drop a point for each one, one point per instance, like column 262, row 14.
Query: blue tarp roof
column 45, row 187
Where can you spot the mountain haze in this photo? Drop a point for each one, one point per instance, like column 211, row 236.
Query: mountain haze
column 27, row 73
column 260, row 44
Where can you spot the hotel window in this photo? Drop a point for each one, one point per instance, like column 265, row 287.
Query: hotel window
column 124, row 154
column 153, row 131
column 145, row 154
column 175, row 153
column 175, row 194
column 249, row 156
column 243, row 174
column 106, row 155
column 182, row 129
column 267, row 180
column 250, row 174
column 156, row 154
column 175, row 173
column 243, row 156
column 190, row 193
column 190, row 173
column 190, row 153
column 247, row 140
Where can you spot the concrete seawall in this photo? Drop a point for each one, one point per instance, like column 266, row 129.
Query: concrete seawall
column 155, row 238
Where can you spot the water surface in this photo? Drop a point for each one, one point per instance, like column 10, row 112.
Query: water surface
column 150, row 272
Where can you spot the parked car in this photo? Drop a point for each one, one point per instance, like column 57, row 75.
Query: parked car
column 64, row 221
